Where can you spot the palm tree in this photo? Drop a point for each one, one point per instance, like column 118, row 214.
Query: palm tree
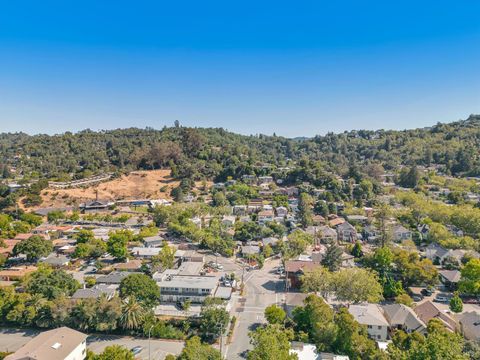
column 133, row 314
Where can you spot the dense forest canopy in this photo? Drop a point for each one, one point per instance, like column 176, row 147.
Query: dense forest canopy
column 215, row 153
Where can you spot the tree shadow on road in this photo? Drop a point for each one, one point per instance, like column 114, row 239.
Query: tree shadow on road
column 254, row 326
column 272, row 285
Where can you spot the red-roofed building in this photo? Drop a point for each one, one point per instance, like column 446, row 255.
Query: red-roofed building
column 294, row 269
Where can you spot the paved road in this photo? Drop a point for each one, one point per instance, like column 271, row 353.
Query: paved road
column 262, row 288
column 12, row 340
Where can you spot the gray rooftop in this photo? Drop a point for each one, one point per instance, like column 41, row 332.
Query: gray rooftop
column 368, row 314
column 114, row 277
column 190, row 281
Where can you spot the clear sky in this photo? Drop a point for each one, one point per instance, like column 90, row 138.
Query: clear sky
column 297, row 68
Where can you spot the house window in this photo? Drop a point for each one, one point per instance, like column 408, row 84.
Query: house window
column 379, row 328
column 369, row 326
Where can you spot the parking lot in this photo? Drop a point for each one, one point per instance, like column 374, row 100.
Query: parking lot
column 13, row 339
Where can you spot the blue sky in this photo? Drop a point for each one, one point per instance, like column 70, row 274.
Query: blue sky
column 297, row 68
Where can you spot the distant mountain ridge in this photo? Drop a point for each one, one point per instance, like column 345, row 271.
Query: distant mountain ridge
column 215, row 153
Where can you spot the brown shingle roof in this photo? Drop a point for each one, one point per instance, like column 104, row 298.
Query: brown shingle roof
column 428, row 311
column 294, row 266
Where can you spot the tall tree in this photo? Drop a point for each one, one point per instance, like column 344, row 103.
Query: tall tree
column 271, row 342
column 332, row 259
column 141, row 287
column 33, row 248
column 305, row 212
column 133, row 315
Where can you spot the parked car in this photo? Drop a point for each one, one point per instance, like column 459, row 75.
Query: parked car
column 441, row 298
column 417, row 298
column 427, row 292
column 136, row 350
column 215, row 265
column 471, row 301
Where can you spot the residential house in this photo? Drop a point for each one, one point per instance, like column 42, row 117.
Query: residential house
column 371, row 234
column 272, row 241
column 265, row 179
column 348, row 261
column 130, row 266
column 249, row 251
column 9, row 245
column 400, row 233
column 240, row 210
column 95, row 206
column 115, row 277
column 265, row 216
column 61, row 343
column 153, row 241
column 158, row 202
column 228, row 220
column 438, row 254
column 335, row 221
column 357, row 219
column 322, row 234
column 145, row 252
column 303, row 351
column 372, row 317
column 96, row 292
column 56, row 260
column 347, row 232
column 16, row 273
column 318, row 220
column 248, row 178
column 427, row 311
column 295, row 269
column 470, row 325
column 179, row 288
column 455, row 231
column 435, row 252
column 289, row 191
column 450, row 278
column 281, row 211
column 47, row 229
column 402, row 317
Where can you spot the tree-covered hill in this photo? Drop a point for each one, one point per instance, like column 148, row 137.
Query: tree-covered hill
column 216, row 153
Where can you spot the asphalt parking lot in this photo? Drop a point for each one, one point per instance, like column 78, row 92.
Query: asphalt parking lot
column 13, row 339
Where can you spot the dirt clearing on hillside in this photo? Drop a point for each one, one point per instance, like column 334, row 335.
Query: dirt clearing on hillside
column 153, row 184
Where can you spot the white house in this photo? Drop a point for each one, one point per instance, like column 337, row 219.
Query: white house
column 304, row 351
column 372, row 317
column 175, row 288
column 58, row 344
column 145, row 252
